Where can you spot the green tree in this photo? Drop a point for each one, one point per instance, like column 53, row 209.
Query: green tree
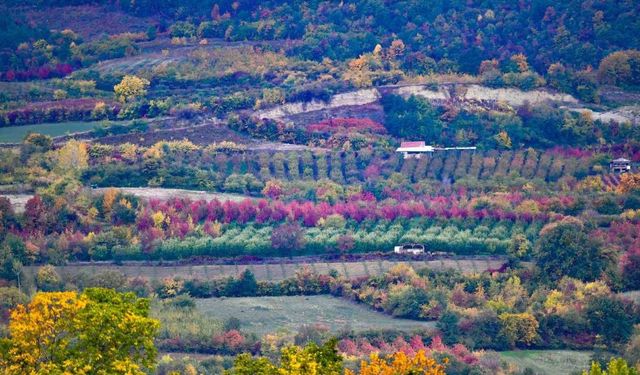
column 48, row 279
column 565, row 248
column 97, row 332
column 611, row 318
column 412, row 118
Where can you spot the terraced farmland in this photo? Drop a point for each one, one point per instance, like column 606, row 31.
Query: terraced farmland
column 273, row 272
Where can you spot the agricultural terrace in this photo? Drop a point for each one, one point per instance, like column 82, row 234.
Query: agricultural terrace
column 270, row 271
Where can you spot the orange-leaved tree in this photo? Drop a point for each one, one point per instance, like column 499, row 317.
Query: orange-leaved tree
column 400, row 363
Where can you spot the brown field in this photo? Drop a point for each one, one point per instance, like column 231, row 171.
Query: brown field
column 273, row 272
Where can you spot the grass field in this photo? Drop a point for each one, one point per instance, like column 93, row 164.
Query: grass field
column 549, row 362
column 15, row 134
column 272, row 272
column 263, row 315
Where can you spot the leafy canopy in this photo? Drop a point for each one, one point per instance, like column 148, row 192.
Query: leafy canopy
column 97, row 332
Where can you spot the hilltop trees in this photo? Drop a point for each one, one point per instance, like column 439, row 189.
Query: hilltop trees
column 98, row 331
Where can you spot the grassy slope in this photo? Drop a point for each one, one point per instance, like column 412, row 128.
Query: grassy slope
column 269, row 314
column 15, row 134
column 549, row 362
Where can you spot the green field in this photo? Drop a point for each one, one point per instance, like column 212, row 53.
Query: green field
column 15, row 134
column 549, row 362
column 263, row 315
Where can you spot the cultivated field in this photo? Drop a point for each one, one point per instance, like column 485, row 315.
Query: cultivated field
column 273, row 272
column 262, row 315
column 15, row 134
column 164, row 194
column 549, row 362
column 18, row 201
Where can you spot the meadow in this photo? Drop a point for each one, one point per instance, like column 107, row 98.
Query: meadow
column 262, row 315
column 549, row 362
column 15, row 134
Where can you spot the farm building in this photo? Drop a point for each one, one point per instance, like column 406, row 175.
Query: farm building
column 412, row 248
column 415, row 149
column 620, row 165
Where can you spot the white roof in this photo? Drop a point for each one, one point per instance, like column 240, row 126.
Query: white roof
column 416, row 149
column 621, row 160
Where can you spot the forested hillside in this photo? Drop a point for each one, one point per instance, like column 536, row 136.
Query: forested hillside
column 319, row 187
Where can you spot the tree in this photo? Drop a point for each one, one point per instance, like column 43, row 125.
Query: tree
column 610, row 317
column 629, row 182
column 273, row 189
column 345, row 243
column 294, row 360
column 48, row 279
column 400, row 363
column 413, row 118
column 287, row 238
column 245, row 286
column 630, row 268
column 518, row 328
column 131, row 88
column 620, row 68
column 564, row 248
column 73, row 158
column 617, row 366
column 97, row 332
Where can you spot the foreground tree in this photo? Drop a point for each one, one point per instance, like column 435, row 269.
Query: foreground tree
column 617, row 366
column 97, row 332
column 400, row 363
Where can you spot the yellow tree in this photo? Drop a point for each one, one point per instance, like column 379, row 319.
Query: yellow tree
column 519, row 328
column 72, row 158
column 130, row 88
column 97, row 332
column 400, row 363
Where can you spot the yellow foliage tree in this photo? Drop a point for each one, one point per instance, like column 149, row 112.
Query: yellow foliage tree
column 97, row 332
column 504, row 140
column 72, row 158
column 108, row 199
column 519, row 328
column 400, row 363
column 130, row 88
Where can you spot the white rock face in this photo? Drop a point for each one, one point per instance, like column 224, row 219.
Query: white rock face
column 422, row 91
column 516, row 97
column 360, row 97
column 464, row 94
column 619, row 116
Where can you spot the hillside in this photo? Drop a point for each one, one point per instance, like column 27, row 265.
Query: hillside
column 319, row 187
